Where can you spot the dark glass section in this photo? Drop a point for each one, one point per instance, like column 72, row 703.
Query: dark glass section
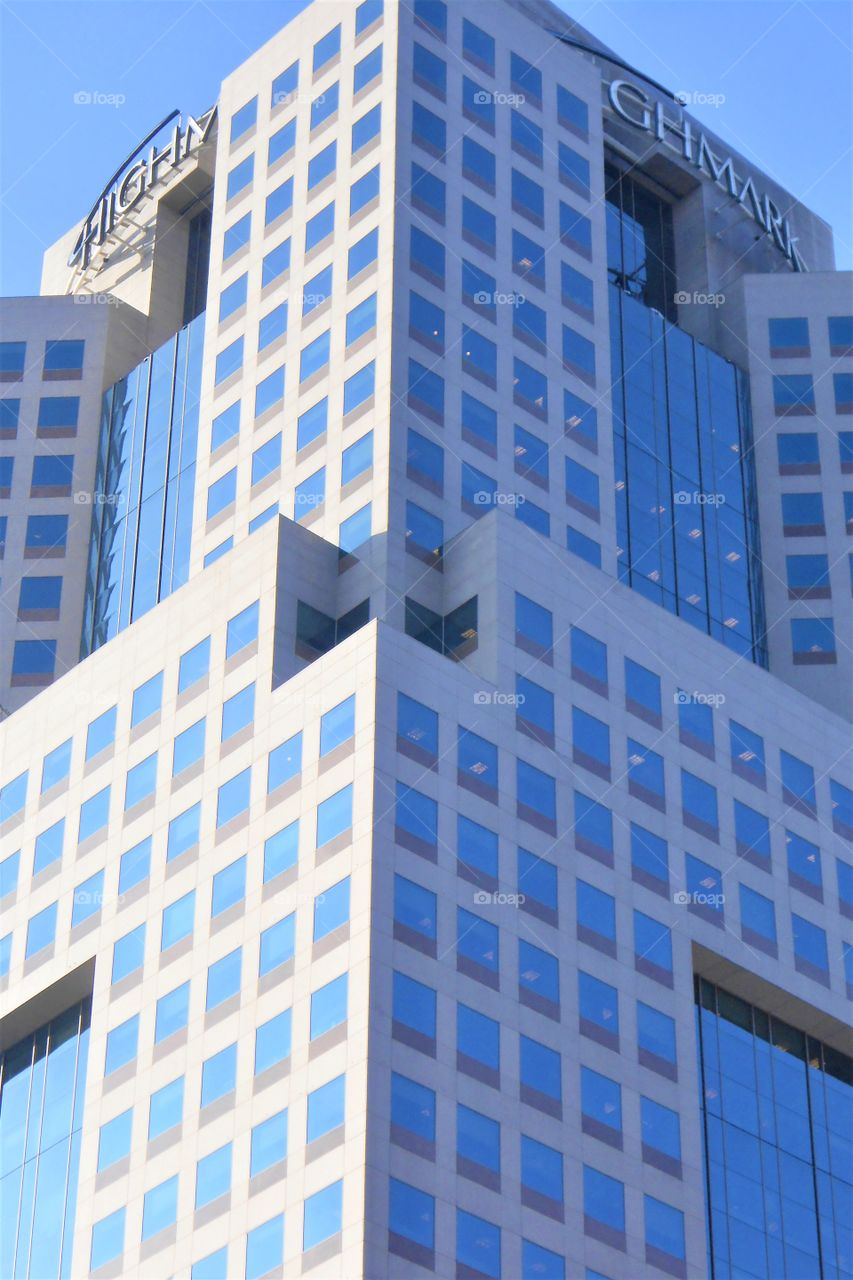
column 42, row 1090
column 640, row 253
column 198, row 261
column 777, row 1120
column 139, row 548
column 686, row 508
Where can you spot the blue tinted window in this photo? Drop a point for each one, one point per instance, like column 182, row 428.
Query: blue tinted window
column 478, row 1138
column 277, row 943
column 177, row 920
column 269, row 1143
column 240, row 177
column 272, row 1041
column 55, row 768
column 327, row 48
column 265, row 1248
column 334, row 815
column 322, row 1215
column 281, row 851
column 101, row 733
column 223, row 978
column 166, row 1108
column 285, row 84
column 367, row 69
column 478, row 1245
column 328, row 1006
column 275, row 263
column 218, row 1075
column 94, row 814
column 414, row 1005
column 364, row 190
column 362, row 253
column 325, row 1108
column 357, row 458
column 172, row 1012
column 229, row 887
column 366, row 128
column 141, row 781
column 322, row 164
column 331, row 909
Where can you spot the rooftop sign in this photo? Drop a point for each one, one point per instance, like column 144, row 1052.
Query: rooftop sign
column 137, row 175
column 643, row 112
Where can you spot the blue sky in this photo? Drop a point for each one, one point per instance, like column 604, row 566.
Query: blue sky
column 791, row 114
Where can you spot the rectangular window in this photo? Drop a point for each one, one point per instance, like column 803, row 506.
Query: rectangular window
column 591, row 743
column 528, row 198
column 242, row 630
column 478, row 1246
column 361, row 320
column 325, row 1109
column 219, row 1075
column 699, row 805
column 325, row 106
column 134, row 865
column 63, row 358
column 275, row 263
column 362, row 254
column 526, row 79
column 268, row 1143
column 327, row 48
column 526, row 138
column 415, row 913
column 598, row 1006
column 367, row 70
column 94, row 814
column 536, row 796
column 232, row 798
column 278, row 202
column 798, row 784
column 366, row 128
column 171, row 1012
column 429, row 131
column 331, row 909
column 757, row 920
column 284, row 763
column 266, row 460
column 223, row 979
column 596, row 917
column 479, row 227
column 240, row 177
column 140, row 781
column 194, row 665
column 810, row 953
column 793, row 394
column 540, row 1076
column 229, row 887
column 183, row 832
column 478, row 1146
column 177, row 921
column 359, row 388
column 414, row 1013
column 593, row 829
column 363, row 191
column 601, row 1107
column 272, row 1041
column 222, row 493
column 646, row 774
column 285, row 85
column 328, row 1006
column 277, row 944
column 322, row 165
column 334, row 816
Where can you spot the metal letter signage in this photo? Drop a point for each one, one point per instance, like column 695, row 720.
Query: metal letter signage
column 137, row 175
column 633, row 105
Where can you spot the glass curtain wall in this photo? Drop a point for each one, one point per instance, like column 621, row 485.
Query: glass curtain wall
column 143, row 503
column 42, row 1090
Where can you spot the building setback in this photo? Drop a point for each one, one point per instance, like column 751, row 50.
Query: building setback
column 425, row 793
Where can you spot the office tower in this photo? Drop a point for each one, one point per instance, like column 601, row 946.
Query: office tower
column 425, row 804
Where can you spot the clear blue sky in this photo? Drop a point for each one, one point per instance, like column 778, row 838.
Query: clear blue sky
column 783, row 66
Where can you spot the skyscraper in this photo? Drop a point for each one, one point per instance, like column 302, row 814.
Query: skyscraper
column 425, row 802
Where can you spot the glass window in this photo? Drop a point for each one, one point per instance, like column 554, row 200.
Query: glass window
column 272, row 1041
column 536, row 792
column 414, row 909
column 48, row 846
column 362, row 253
column 146, row 699
column 128, row 953
column 177, row 921
column 88, row 897
column 64, row 356
column 530, row 388
column 590, row 742
column 327, row 48
column 232, row 798
column 526, row 79
column 271, row 327
column 478, row 1139
column 478, row 46
column 655, row 1034
column 165, row 1108
column 121, row 1044
column 788, row 337
column 334, row 815
column 310, row 494
column 222, row 493
column 603, row 1199
column 219, row 1075
column 642, row 692
column 229, row 361
column 479, row 227
column 183, row 832
column 223, row 978
column 269, row 1143
column 188, row 747
column 804, row 870
column 331, row 909
column 101, row 733
column 477, row 1039
column 325, row 1108
column 322, row 1215
column 596, row 913
column 213, row 1176
column 212, row 1267
column 312, row 424
column 229, row 887
column 314, row 357
column 240, row 177
column 477, row 758
column 275, row 263
column 172, row 1012
column 55, row 768
column 704, row 886
column 526, row 137
column 265, row 1248
column 322, row 164
column 285, row 84
column 427, row 259
column 236, row 236
column 277, row 944
column 599, row 1009
column 366, row 128
column 699, row 804
column 528, row 198
column 646, row 773
column 94, row 814
column 244, row 119
column 797, row 450
column 328, row 1006
column 46, row 533
column 793, row 393
column 429, row 130
column 538, row 973
column 414, row 1005
column 234, row 297
column 41, row 931
column 242, row 630
column 478, row 1245
column 141, row 781
column 114, row 1139
column 411, row 1215
column 134, row 865
column 359, row 387
column 541, row 1169
column 367, row 70
column 361, row 319
column 757, row 917
column 363, row 191
column 12, row 359
column 601, row 1102
column 798, row 785
column 589, row 660
column 478, row 941
column 107, row 1239
column 593, row 828
column 416, row 814
column 652, row 947
column 325, row 105
column 664, row 1228
column 160, row 1207
column 478, row 164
